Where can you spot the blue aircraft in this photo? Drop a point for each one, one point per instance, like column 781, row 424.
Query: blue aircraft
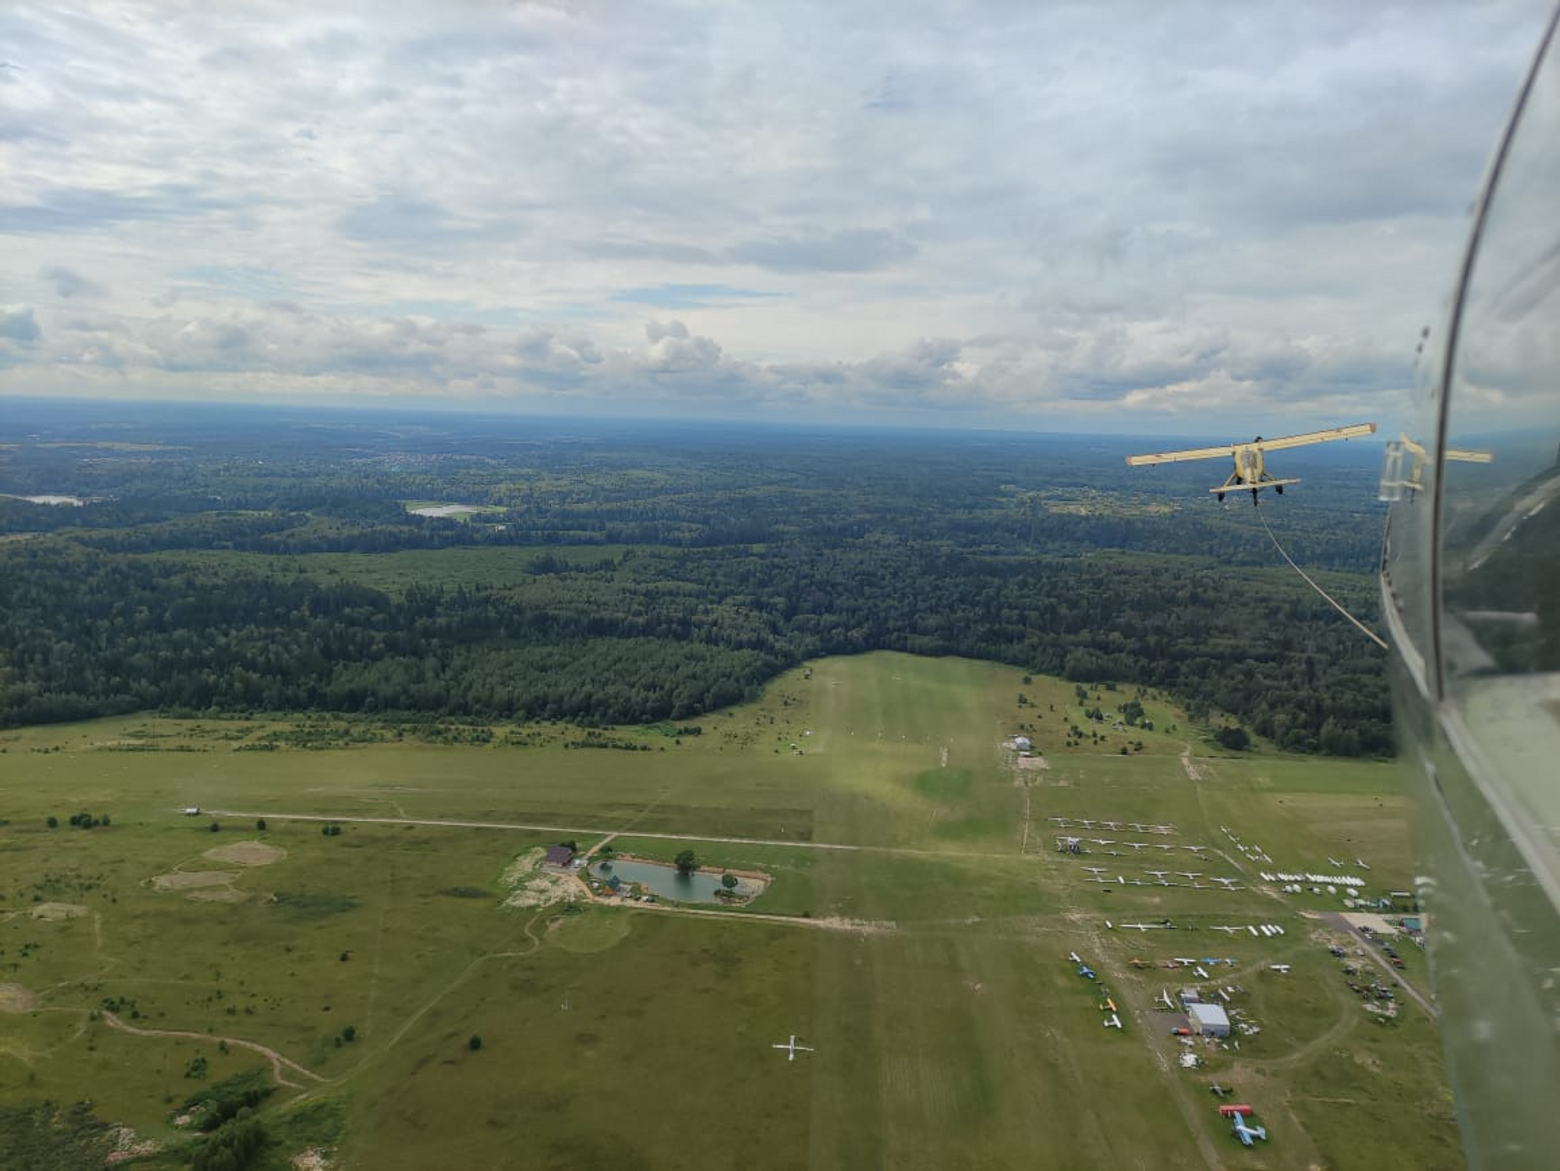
column 1085, row 971
column 1246, row 1133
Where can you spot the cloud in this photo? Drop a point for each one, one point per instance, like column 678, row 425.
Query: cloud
column 857, row 250
column 698, row 296
column 985, row 213
column 17, row 324
column 68, row 283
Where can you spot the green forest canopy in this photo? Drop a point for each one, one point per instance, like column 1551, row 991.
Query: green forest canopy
column 655, row 573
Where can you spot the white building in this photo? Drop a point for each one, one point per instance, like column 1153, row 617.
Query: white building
column 1208, row 1019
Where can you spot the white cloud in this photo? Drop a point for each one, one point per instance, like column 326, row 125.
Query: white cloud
column 976, row 212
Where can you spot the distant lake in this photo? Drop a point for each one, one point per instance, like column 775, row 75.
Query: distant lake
column 443, row 510
column 74, row 501
column 668, row 882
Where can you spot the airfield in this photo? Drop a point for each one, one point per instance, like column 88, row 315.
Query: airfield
column 927, row 884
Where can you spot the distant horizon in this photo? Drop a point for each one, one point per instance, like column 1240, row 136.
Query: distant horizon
column 489, row 411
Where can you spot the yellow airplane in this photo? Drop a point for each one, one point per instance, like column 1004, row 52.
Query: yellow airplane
column 1249, row 473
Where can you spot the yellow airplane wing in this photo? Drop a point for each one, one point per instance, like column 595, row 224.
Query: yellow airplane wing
column 1318, row 436
column 1170, row 457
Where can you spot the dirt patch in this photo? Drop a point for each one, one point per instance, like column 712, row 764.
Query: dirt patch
column 1031, row 762
column 313, row 1159
column 1375, row 922
column 129, row 1145
column 857, row 926
column 58, row 911
column 246, row 854
column 532, row 886
column 223, row 894
column 17, row 998
column 188, row 880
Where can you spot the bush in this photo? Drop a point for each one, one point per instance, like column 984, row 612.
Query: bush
column 475, row 1043
column 226, row 1098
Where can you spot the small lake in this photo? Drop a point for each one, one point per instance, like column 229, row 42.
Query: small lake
column 444, row 510
column 667, row 883
column 74, row 501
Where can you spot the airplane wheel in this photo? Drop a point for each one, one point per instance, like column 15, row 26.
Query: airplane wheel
column 1279, row 488
column 1220, row 497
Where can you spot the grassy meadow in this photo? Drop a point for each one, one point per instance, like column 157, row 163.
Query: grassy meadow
column 915, row 933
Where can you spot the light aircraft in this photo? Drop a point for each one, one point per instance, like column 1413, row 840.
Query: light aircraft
column 1225, row 928
column 1201, row 971
column 1108, row 1006
column 1221, row 1091
column 1085, row 971
column 1360, row 862
column 1114, row 1022
column 1246, row 1133
column 1190, row 873
column 1249, row 473
column 1164, row 997
column 1336, row 863
column 1228, row 883
column 792, row 1048
column 1281, row 969
column 1103, row 841
column 1141, row 926
column 1111, row 824
column 1073, row 956
column 1086, row 823
column 1095, row 869
column 1140, row 963
column 1157, row 873
column 1135, row 845
column 1195, row 849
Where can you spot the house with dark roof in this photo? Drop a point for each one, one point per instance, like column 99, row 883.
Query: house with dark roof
column 559, row 856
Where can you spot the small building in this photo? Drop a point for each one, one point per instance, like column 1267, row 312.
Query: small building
column 192, row 811
column 1413, row 923
column 1189, row 995
column 1209, row 1020
column 559, row 856
column 1022, row 743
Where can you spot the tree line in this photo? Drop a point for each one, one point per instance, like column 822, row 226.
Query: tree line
column 666, row 634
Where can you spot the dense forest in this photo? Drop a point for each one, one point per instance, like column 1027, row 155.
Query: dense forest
column 247, row 560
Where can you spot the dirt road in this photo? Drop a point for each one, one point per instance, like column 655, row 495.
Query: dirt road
column 276, row 1059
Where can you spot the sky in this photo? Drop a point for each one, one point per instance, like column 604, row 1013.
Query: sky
column 1106, row 217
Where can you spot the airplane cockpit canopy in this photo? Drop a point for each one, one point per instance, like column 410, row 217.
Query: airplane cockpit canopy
column 1471, row 595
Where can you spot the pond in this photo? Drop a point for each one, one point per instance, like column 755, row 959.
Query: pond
column 667, row 883
column 74, row 501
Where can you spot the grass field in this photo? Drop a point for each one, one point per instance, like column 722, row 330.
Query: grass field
column 916, row 934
